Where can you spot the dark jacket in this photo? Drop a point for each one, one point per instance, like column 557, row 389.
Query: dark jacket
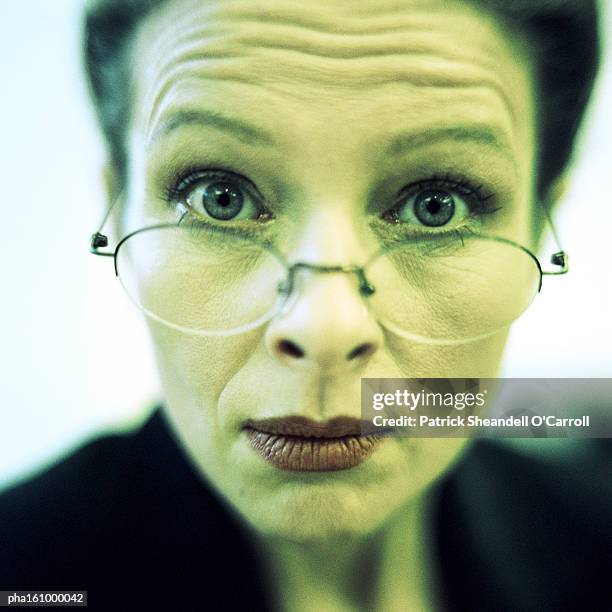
column 127, row 519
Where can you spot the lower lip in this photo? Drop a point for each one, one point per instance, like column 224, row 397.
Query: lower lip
column 302, row 454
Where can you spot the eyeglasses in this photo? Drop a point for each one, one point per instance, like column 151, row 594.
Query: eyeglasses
column 440, row 288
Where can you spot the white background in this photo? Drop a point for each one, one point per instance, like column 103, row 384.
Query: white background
column 74, row 355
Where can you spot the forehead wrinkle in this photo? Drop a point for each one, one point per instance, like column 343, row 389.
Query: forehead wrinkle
column 333, row 74
column 223, row 62
column 336, row 46
column 348, row 16
column 205, row 43
column 179, row 49
column 208, row 43
column 318, row 26
column 223, row 40
column 346, row 26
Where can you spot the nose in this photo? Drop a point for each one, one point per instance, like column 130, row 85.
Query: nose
column 326, row 324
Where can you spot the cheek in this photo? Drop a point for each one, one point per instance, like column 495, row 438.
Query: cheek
column 199, row 366
column 481, row 359
column 194, row 373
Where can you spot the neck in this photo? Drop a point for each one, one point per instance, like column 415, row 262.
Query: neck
column 387, row 570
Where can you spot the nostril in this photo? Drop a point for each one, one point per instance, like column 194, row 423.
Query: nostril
column 287, row 347
column 361, row 350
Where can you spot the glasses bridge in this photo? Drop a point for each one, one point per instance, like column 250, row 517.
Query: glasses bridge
column 285, row 288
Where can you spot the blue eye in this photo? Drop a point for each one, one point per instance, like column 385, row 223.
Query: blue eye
column 441, row 203
column 221, row 200
column 219, row 195
column 434, row 207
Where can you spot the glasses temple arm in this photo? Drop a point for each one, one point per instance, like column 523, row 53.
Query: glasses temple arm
column 559, row 258
column 99, row 240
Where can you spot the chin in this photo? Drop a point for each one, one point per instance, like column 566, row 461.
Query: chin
column 303, row 512
column 346, row 503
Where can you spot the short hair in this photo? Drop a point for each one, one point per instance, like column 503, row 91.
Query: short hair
column 563, row 36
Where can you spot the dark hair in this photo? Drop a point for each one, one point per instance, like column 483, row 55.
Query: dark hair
column 563, row 35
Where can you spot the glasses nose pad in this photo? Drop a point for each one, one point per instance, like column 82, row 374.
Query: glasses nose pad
column 366, row 288
column 285, row 293
column 283, row 289
column 288, row 289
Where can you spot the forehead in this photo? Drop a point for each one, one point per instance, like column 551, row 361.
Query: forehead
column 323, row 68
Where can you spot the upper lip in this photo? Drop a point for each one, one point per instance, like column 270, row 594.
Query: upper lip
column 337, row 427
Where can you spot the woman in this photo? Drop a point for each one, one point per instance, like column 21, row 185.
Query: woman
column 303, row 196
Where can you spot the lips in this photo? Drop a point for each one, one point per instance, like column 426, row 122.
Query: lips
column 303, row 445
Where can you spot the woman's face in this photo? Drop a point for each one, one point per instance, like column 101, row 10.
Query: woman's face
column 319, row 114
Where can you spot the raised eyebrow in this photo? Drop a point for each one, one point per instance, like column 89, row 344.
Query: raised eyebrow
column 245, row 132
column 481, row 134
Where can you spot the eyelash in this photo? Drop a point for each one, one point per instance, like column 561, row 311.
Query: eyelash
column 481, row 201
column 180, row 184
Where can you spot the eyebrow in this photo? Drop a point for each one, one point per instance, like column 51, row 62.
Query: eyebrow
column 245, row 132
column 480, row 134
column 400, row 143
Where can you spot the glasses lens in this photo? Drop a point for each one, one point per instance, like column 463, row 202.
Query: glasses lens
column 200, row 281
column 449, row 288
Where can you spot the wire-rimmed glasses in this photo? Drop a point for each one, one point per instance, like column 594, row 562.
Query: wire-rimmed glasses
column 441, row 288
